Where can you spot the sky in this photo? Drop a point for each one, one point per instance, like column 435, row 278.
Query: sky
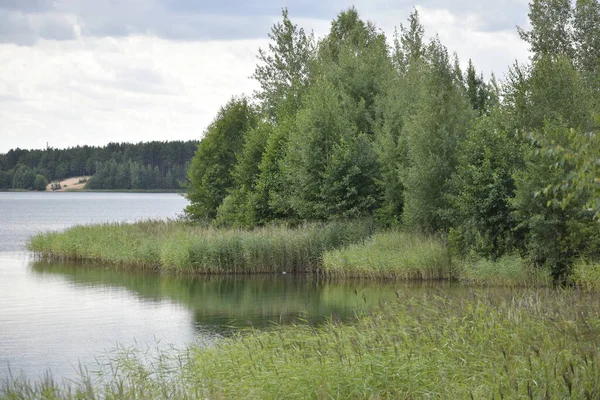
column 77, row 72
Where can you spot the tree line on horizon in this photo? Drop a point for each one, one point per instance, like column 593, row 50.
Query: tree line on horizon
column 144, row 165
column 350, row 126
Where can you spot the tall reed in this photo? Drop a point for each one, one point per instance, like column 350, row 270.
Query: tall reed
column 510, row 270
column 181, row 247
column 586, row 275
column 396, row 255
column 533, row 344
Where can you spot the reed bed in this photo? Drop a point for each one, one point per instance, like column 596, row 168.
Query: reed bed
column 391, row 255
column 180, row 247
column 524, row 343
column 586, row 275
column 528, row 345
column 509, row 270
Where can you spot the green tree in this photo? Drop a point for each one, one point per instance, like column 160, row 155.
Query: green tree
column 394, row 109
column 550, row 32
column 354, row 58
column 6, row 178
column 272, row 193
column 553, row 232
column 239, row 206
column 123, row 178
column 136, row 180
column 477, row 90
column 325, row 182
column 482, row 187
column 284, row 69
column 210, row 172
column 40, row 183
column 442, row 118
column 23, row 178
column 586, row 35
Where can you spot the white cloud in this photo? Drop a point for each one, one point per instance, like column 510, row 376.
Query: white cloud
column 465, row 34
column 94, row 90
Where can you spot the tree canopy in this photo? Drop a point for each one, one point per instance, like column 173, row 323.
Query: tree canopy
column 349, row 126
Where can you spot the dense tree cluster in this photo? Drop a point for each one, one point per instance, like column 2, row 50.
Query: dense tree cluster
column 151, row 165
column 350, row 126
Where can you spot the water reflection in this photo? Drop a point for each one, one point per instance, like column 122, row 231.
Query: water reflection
column 226, row 303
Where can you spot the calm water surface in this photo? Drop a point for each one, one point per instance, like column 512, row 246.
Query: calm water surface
column 54, row 316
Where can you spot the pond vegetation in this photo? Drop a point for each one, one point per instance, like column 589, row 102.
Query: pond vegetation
column 532, row 343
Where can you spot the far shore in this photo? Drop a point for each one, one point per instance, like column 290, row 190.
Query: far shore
column 77, row 184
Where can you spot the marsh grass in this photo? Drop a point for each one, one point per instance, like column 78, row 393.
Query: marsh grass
column 586, row 275
column 123, row 373
column 395, row 255
column 181, row 247
column 525, row 343
column 528, row 345
column 510, row 270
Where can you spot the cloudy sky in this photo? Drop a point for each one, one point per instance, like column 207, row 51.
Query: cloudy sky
column 75, row 72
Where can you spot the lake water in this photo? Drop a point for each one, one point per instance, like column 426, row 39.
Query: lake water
column 56, row 316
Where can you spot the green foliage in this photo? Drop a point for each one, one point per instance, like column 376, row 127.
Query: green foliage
column 550, row 34
column 271, row 197
column 284, row 70
column 442, row 118
column 586, row 35
column 350, row 127
column 586, row 275
column 395, row 107
column 239, row 208
column 480, row 189
column 577, row 151
column 23, row 178
column 554, row 231
column 40, row 183
column 211, row 171
column 331, row 166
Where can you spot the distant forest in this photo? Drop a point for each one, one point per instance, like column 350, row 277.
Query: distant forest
column 151, row 165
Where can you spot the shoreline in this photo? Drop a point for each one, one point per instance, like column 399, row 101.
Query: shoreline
column 336, row 250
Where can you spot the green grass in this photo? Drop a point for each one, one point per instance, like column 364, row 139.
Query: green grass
column 341, row 249
column 395, row 255
column 533, row 343
column 586, row 275
column 181, row 247
column 509, row 270
column 528, row 345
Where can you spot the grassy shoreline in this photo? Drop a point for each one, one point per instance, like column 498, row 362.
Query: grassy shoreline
column 175, row 246
column 341, row 249
column 529, row 342
column 526, row 343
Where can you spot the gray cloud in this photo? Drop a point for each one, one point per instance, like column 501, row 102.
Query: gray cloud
column 495, row 16
column 26, row 28
column 24, row 22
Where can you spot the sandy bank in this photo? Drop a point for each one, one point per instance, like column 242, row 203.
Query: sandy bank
column 69, row 184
